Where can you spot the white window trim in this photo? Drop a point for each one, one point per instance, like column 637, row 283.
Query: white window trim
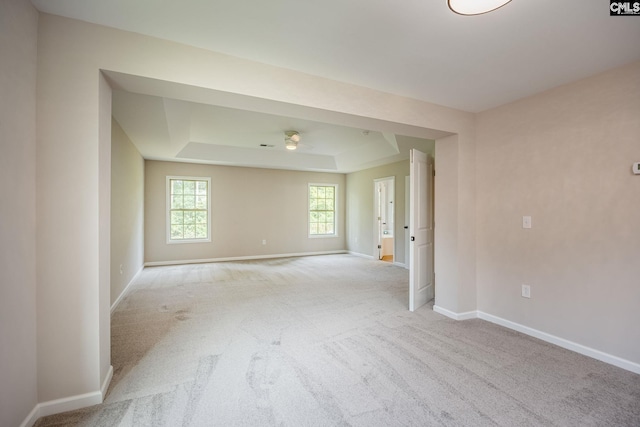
column 335, row 212
column 168, row 210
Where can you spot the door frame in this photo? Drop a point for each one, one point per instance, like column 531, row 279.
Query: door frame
column 377, row 226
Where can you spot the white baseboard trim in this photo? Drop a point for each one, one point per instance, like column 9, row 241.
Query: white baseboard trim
column 126, row 289
column 106, row 382
column 400, row 264
column 69, row 403
column 31, row 418
column 456, row 316
column 561, row 342
column 360, row 255
column 72, row 403
column 240, row 258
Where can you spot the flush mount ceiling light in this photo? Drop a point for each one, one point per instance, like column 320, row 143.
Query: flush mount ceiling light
column 475, row 7
column 291, row 139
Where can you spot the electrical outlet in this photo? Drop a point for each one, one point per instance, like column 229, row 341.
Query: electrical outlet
column 526, row 291
column 264, row 242
column 526, row 222
column 121, row 269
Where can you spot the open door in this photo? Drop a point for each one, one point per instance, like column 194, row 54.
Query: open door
column 421, row 277
column 384, row 218
column 407, row 209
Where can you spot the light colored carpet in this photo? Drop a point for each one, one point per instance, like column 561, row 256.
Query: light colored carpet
column 328, row 341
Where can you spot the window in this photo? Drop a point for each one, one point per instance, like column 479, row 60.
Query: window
column 188, row 206
column 322, row 210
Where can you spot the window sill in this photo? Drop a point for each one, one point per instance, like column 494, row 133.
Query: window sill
column 179, row 242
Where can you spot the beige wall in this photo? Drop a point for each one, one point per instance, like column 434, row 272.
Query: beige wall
column 248, row 205
column 68, row 274
column 127, row 211
column 564, row 157
column 73, row 171
column 103, row 314
column 447, row 264
column 18, row 48
column 360, row 209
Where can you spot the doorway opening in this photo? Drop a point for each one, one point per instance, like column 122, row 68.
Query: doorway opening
column 384, row 218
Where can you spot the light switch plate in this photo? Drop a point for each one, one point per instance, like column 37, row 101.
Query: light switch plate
column 526, row 222
column 526, row 291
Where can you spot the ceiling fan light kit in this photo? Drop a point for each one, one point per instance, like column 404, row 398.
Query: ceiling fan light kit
column 291, row 139
column 475, row 7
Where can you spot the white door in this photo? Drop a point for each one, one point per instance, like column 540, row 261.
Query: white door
column 383, row 218
column 407, row 209
column 421, row 277
column 378, row 196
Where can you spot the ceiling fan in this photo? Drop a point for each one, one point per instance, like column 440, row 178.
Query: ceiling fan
column 291, row 139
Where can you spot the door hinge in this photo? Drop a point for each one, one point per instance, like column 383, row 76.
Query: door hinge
column 413, row 239
column 434, row 172
column 379, row 247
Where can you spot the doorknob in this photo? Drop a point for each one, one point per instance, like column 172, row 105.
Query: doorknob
column 413, row 239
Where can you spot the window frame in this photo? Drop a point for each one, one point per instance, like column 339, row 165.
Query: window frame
column 335, row 211
column 171, row 241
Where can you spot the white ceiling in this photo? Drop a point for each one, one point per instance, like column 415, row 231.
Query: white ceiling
column 169, row 129
column 414, row 48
